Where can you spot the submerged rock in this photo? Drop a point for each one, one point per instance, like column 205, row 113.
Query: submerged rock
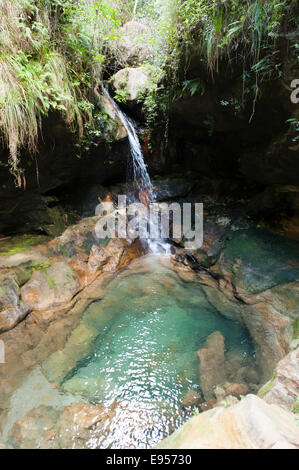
column 191, row 398
column 249, row 424
column 211, row 364
column 35, row 430
column 230, row 389
column 80, row 423
column 88, row 387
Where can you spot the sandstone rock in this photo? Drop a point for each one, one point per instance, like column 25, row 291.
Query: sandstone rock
column 212, row 245
column 80, row 423
column 35, row 430
column 191, row 398
column 12, row 310
column 283, row 388
column 56, row 285
column 249, row 424
column 57, row 366
column 211, row 366
column 30, row 257
column 263, row 269
column 133, row 82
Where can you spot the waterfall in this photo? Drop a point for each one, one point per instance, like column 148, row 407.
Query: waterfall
column 141, row 177
column 140, row 173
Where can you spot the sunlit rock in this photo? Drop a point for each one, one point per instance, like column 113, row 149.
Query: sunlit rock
column 249, row 424
column 131, row 82
column 133, row 44
column 12, row 308
column 56, row 285
column 283, row 388
column 81, row 425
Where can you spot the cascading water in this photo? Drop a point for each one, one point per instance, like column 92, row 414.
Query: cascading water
column 142, row 181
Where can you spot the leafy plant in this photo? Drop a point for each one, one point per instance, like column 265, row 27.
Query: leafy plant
column 193, row 86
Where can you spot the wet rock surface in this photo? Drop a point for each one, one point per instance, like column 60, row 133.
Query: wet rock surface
column 256, row 273
column 51, row 274
column 35, row 430
column 54, row 283
column 80, row 424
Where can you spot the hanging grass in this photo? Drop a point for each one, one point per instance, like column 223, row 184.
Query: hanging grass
column 51, row 59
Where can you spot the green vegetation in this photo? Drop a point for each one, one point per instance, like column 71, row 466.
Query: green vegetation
column 295, row 327
column 267, row 387
column 56, row 53
column 52, row 53
column 20, row 243
column 295, row 408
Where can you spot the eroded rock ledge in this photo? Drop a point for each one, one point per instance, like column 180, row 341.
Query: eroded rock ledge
column 45, row 290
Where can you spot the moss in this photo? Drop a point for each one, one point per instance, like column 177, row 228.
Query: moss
column 20, row 243
column 66, row 250
column 267, row 387
column 41, row 266
column 57, row 218
column 295, row 327
column 295, row 408
column 50, row 281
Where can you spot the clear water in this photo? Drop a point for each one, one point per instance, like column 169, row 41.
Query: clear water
column 150, row 326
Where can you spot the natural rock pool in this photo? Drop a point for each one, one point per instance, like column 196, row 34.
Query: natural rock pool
column 144, row 334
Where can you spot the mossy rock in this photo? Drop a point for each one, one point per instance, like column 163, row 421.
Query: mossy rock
column 260, row 260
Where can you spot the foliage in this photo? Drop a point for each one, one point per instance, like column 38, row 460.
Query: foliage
column 295, row 124
column 55, row 54
column 52, row 55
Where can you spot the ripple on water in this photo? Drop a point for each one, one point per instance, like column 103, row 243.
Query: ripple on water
column 150, row 326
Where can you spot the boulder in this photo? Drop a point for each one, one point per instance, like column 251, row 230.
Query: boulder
column 211, row 364
column 12, row 309
column 132, row 82
column 172, row 188
column 132, row 46
column 249, row 424
column 283, row 388
column 49, row 288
